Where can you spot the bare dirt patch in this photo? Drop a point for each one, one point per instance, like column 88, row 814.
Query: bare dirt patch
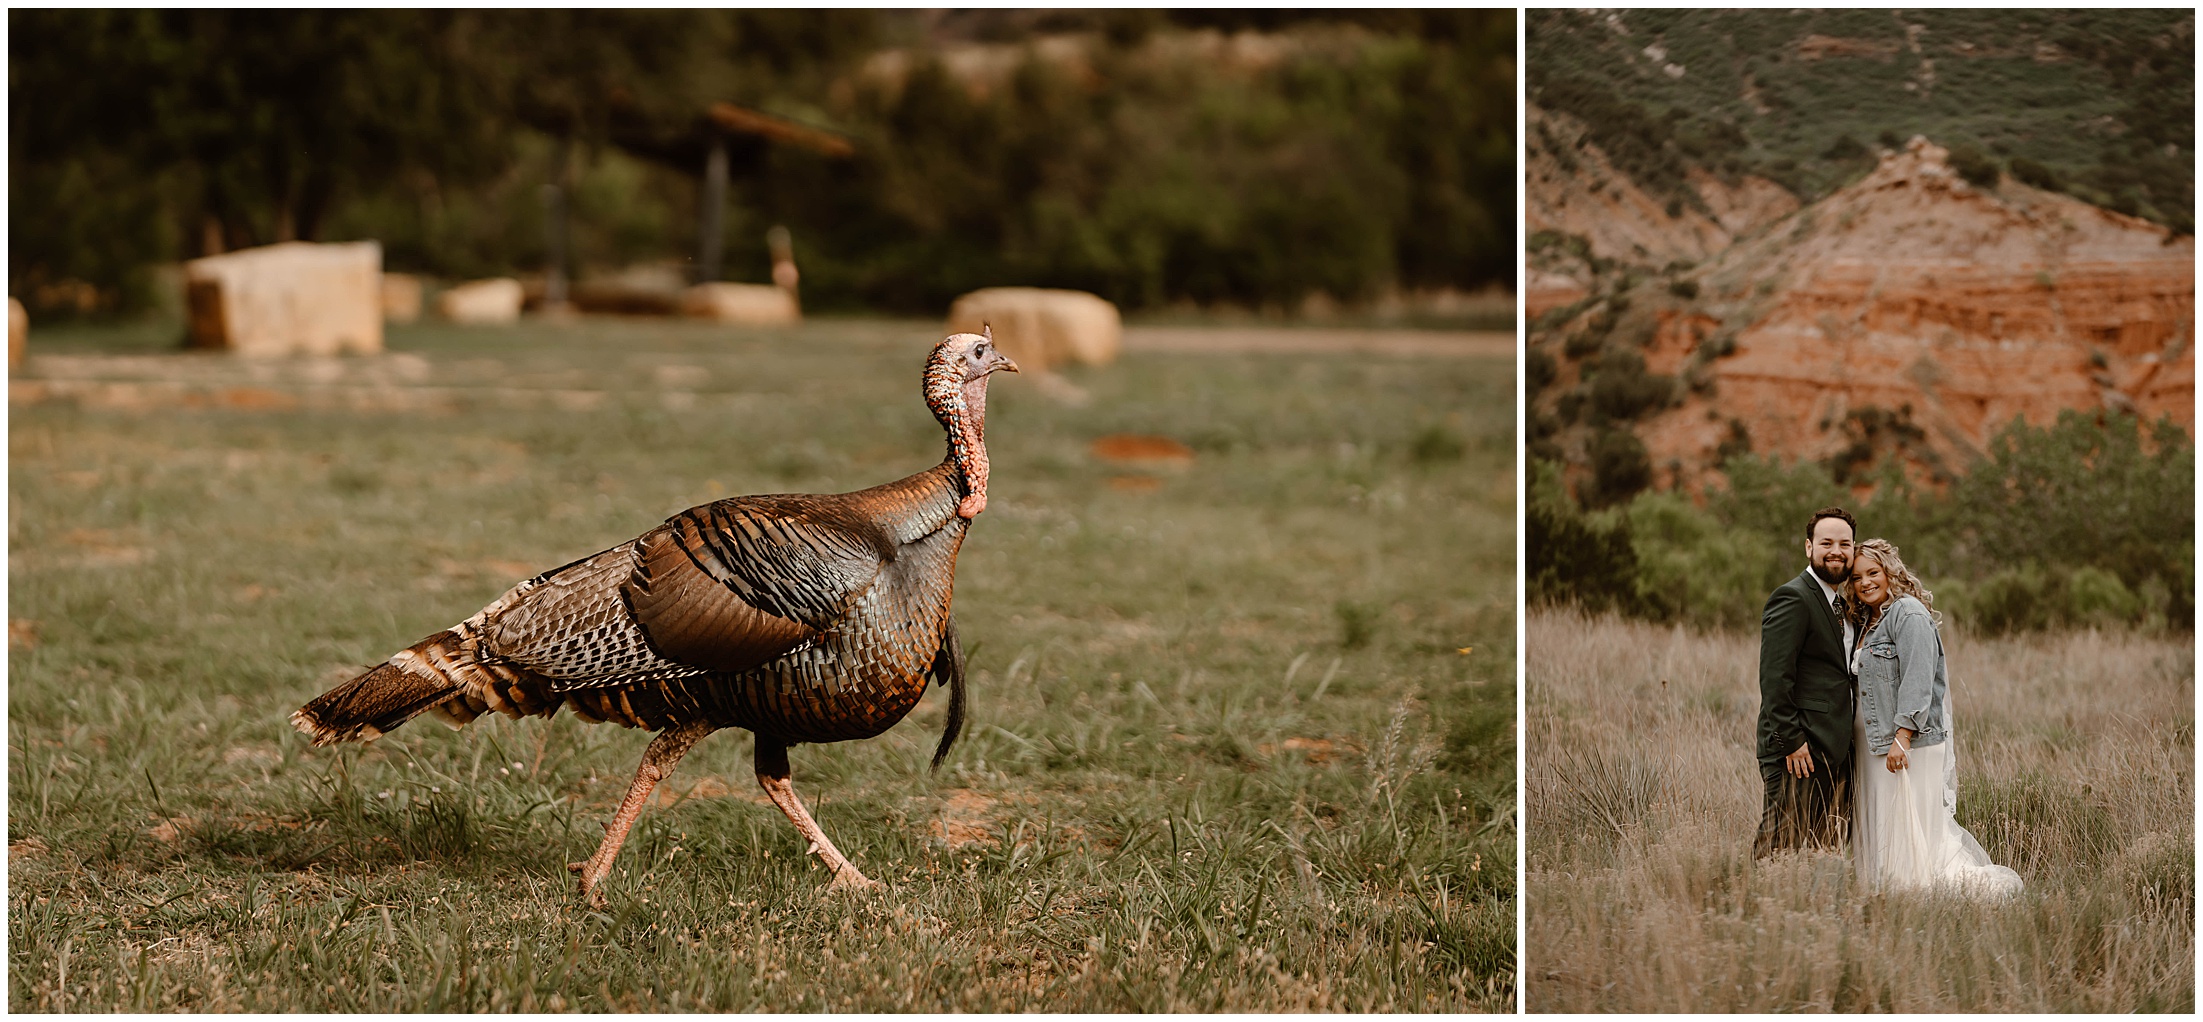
column 103, row 548
column 966, row 819
column 1127, row 447
column 1317, row 751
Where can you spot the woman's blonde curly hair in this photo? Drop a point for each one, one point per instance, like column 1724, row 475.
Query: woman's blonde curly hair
column 1902, row 582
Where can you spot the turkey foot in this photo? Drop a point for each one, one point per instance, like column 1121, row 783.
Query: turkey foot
column 772, row 775
column 658, row 761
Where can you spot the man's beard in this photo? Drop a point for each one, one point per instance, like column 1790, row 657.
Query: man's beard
column 1822, row 573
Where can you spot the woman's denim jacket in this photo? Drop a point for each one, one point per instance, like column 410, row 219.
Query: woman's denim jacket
column 1901, row 681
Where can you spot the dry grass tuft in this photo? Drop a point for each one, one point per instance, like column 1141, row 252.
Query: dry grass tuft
column 2075, row 763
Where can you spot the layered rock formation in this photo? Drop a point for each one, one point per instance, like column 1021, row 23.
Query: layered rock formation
column 1575, row 189
column 1918, row 311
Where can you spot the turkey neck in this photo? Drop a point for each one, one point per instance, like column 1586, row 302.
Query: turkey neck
column 968, row 447
column 962, row 411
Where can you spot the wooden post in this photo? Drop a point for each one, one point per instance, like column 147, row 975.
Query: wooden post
column 712, row 216
column 555, row 233
column 783, row 248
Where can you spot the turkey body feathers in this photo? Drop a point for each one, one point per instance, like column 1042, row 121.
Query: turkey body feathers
column 798, row 617
column 805, row 617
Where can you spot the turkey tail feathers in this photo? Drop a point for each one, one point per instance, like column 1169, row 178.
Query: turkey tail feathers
column 378, row 701
column 948, row 665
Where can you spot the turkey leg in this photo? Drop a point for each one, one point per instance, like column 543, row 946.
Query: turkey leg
column 772, row 775
column 658, row 761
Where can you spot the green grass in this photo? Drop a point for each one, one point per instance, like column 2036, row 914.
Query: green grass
column 1224, row 754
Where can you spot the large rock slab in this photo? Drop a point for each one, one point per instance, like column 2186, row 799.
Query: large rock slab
column 1042, row 328
column 294, row 298
column 744, row 304
column 492, row 301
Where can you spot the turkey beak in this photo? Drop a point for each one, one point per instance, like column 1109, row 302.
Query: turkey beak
column 1002, row 363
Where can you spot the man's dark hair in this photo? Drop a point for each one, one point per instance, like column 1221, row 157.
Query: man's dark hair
column 1831, row 512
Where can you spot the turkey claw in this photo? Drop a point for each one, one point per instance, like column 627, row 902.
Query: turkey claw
column 851, row 880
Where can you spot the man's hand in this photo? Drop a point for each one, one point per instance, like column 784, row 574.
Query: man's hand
column 1800, row 763
column 1899, row 751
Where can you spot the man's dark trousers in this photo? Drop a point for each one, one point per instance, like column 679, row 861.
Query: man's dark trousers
column 1806, row 698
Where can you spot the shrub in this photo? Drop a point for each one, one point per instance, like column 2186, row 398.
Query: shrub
column 1844, row 148
column 1620, row 468
column 1690, row 567
column 2035, row 174
column 1766, row 497
column 1737, row 443
column 1435, row 443
column 2016, row 599
column 2097, row 597
column 1978, row 169
column 2080, row 491
column 1539, row 370
column 1574, row 559
column 1357, row 623
column 1622, row 390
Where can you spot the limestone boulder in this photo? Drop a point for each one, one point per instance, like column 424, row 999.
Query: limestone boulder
column 492, row 301
column 1042, row 328
column 401, row 298
column 19, row 331
column 294, row 298
column 743, row 304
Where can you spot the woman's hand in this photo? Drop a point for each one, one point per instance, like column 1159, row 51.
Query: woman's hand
column 1899, row 751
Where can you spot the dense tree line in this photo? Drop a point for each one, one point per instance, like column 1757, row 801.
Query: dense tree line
column 2086, row 521
column 1374, row 153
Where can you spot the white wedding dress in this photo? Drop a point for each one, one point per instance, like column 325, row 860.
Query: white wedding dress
column 1905, row 833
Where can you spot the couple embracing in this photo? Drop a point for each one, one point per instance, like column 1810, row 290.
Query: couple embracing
column 1854, row 719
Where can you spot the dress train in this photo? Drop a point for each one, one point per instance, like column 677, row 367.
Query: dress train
column 1905, row 835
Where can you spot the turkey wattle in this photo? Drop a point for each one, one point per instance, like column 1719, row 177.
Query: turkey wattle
column 798, row 617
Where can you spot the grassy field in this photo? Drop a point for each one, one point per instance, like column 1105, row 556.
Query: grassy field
column 2076, row 758
column 1241, row 735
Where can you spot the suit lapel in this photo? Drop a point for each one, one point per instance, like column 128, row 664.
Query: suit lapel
column 1831, row 629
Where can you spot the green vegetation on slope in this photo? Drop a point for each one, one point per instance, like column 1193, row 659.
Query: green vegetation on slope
column 2099, row 103
column 2084, row 522
column 1225, row 751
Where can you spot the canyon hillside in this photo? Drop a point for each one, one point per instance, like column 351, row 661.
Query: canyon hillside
column 1698, row 291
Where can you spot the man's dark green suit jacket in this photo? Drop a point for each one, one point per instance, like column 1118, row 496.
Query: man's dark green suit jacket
column 1804, row 675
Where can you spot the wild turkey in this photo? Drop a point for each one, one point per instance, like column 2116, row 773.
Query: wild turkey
column 799, row 617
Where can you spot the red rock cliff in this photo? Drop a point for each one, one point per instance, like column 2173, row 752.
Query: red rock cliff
column 1912, row 289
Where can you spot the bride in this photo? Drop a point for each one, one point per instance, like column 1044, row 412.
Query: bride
column 1906, row 833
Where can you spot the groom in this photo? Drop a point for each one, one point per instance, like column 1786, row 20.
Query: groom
column 1805, row 696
